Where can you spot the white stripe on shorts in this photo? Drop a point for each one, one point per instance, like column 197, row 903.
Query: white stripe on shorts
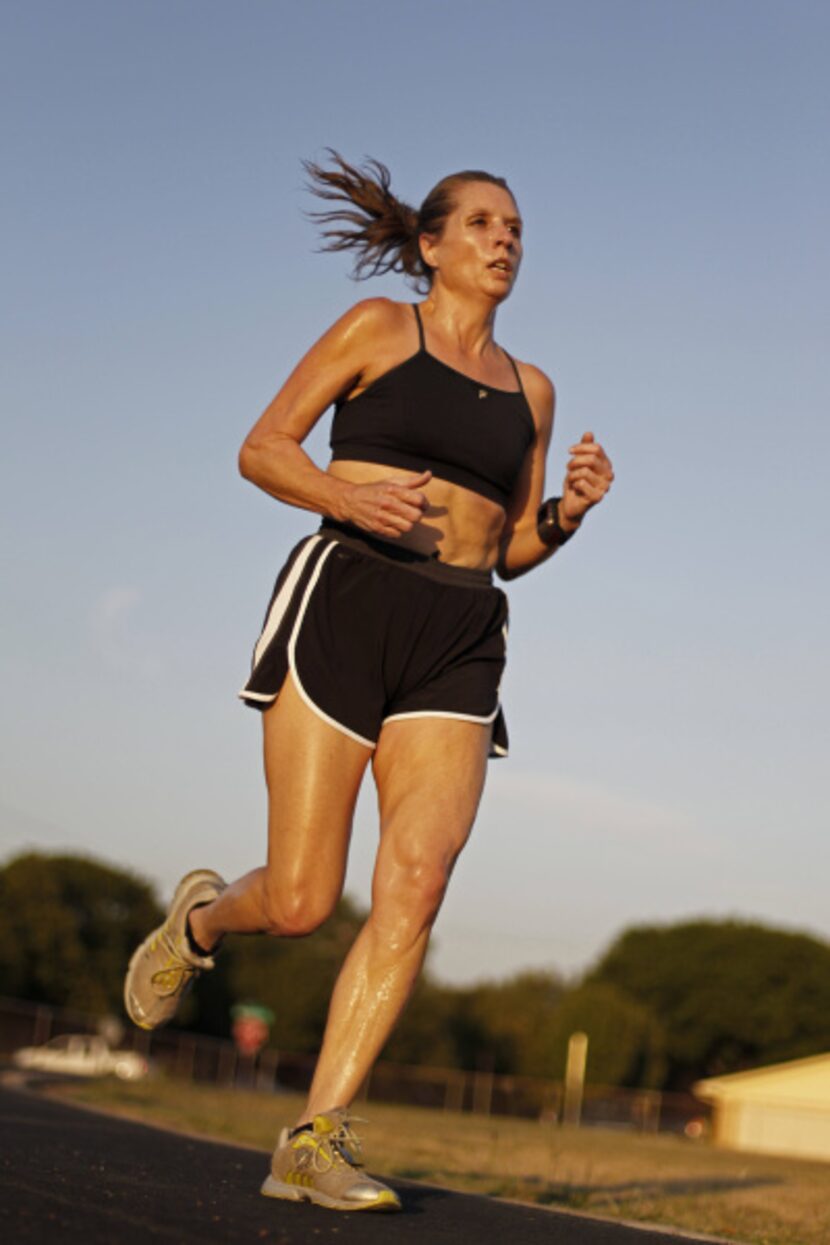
column 292, row 663
column 283, row 598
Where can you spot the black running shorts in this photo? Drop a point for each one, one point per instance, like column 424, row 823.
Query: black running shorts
column 373, row 633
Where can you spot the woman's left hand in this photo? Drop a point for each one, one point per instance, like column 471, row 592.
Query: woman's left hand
column 588, row 478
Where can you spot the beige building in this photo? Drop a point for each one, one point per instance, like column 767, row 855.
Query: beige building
column 781, row 1109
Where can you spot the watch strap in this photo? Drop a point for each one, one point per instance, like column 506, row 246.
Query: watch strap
column 551, row 532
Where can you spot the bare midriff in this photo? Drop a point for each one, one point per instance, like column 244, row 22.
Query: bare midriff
column 460, row 526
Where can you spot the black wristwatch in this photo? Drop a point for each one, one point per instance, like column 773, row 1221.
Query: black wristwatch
column 551, row 533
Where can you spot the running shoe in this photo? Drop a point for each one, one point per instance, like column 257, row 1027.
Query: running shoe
column 321, row 1163
column 164, row 967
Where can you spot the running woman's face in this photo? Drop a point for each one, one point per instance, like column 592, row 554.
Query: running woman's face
column 480, row 248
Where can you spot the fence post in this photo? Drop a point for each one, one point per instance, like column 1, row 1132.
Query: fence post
column 575, row 1078
column 454, row 1095
column 269, row 1061
column 482, row 1092
column 650, row 1104
column 227, row 1064
column 43, row 1025
column 185, row 1058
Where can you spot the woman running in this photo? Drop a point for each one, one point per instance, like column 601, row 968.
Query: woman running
column 385, row 638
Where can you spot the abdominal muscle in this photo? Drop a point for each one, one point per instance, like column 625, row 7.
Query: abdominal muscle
column 460, row 526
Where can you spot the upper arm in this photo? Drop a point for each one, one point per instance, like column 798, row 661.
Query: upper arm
column 333, row 365
column 527, row 495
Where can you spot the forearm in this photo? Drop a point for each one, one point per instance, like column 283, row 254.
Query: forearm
column 280, row 466
column 523, row 548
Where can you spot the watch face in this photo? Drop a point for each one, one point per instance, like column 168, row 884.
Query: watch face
column 548, row 526
column 548, row 512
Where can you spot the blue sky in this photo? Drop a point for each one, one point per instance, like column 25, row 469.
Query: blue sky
column 667, row 692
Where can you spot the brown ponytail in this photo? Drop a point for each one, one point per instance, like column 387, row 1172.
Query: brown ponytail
column 380, row 227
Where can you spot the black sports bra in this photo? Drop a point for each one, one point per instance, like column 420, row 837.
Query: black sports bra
column 423, row 414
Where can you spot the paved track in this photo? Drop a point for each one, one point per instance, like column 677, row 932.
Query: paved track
column 69, row 1175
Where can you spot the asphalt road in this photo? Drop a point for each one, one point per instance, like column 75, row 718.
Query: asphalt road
column 70, row 1175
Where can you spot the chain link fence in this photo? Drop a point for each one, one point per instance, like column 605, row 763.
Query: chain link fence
column 195, row 1057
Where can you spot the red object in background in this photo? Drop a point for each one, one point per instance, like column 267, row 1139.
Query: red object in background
column 250, row 1034
column 251, row 1026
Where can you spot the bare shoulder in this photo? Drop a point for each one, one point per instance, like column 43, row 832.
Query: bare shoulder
column 540, row 394
column 376, row 334
column 538, row 385
column 375, row 316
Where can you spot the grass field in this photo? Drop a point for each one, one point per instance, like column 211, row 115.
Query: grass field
column 656, row 1179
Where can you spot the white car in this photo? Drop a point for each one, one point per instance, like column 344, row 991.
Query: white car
column 82, row 1055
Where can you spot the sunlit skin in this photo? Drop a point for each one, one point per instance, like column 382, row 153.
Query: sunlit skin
column 459, row 313
column 314, row 771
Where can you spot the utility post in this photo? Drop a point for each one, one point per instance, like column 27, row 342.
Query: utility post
column 575, row 1078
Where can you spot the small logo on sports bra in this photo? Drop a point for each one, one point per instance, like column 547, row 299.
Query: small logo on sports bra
column 482, row 393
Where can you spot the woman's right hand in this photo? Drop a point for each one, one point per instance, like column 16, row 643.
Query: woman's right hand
column 386, row 507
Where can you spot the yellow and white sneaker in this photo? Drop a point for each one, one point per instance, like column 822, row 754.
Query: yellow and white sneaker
column 321, row 1164
column 164, row 967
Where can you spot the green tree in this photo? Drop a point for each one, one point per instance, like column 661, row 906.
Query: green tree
column 68, row 925
column 502, row 1024
column 293, row 977
column 425, row 1034
column 728, row 994
column 625, row 1042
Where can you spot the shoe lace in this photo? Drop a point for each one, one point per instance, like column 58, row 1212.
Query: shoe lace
column 176, row 972
column 341, row 1147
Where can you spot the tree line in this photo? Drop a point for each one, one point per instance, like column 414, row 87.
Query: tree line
column 663, row 1006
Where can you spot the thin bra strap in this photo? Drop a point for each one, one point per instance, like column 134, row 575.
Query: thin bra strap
column 424, row 347
column 516, row 370
column 420, row 326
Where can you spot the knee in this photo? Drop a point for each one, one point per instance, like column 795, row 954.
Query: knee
column 406, row 908
column 425, row 890
column 295, row 911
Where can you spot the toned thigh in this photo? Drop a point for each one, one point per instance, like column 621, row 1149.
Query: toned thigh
column 313, row 773
column 430, row 775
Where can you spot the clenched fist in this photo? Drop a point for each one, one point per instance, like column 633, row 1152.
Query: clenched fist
column 588, row 478
column 388, row 507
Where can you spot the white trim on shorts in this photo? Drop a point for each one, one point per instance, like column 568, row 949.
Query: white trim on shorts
column 276, row 613
column 292, row 661
column 282, row 601
column 443, row 713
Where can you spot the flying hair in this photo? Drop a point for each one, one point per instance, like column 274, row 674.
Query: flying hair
column 375, row 223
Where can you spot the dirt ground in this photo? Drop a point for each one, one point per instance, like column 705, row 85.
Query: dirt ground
column 663, row 1180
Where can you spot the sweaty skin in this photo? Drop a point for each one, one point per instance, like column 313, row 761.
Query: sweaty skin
column 475, row 261
column 459, row 525
column 314, row 771
column 466, row 529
